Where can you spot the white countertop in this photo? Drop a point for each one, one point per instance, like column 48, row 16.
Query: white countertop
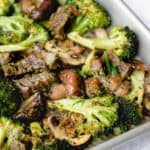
column 142, row 9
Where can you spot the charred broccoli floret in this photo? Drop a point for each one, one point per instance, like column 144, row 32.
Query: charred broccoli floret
column 5, row 6
column 122, row 40
column 92, row 15
column 19, row 33
column 128, row 112
column 56, row 145
column 9, row 133
column 99, row 113
column 10, row 97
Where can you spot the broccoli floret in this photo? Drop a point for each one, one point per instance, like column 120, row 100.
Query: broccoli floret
column 92, row 15
column 5, row 6
column 17, row 10
column 128, row 112
column 137, row 88
column 86, row 68
column 99, row 112
column 13, row 29
column 122, row 40
column 56, row 145
column 9, row 132
column 10, row 97
column 36, row 129
column 19, row 33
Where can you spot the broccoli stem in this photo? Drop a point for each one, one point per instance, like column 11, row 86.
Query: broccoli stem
column 92, row 43
column 107, row 62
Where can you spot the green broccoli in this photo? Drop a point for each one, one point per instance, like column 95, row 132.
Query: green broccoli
column 5, row 6
column 9, row 132
column 55, row 145
column 92, row 15
column 99, row 113
column 36, row 129
column 86, row 68
column 128, row 112
column 19, row 33
column 13, row 29
column 137, row 89
column 10, row 97
column 121, row 40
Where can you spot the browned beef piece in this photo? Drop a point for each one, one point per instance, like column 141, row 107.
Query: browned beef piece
column 97, row 66
column 93, row 87
column 123, row 89
column 38, row 10
column 4, row 58
column 111, row 83
column 57, row 91
column 35, row 82
column 123, row 67
column 60, row 19
column 147, row 83
column 31, row 109
column 35, row 62
column 70, row 78
column 137, row 64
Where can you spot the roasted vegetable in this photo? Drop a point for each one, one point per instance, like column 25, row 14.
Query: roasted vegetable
column 128, row 113
column 137, row 89
column 9, row 133
column 19, row 33
column 5, row 6
column 92, row 15
column 92, row 66
column 13, row 29
column 122, row 41
column 10, row 97
column 81, row 117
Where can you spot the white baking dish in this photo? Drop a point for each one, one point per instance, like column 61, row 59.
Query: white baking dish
column 121, row 15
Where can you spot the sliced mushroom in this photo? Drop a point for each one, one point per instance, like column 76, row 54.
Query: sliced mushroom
column 38, row 9
column 31, row 109
column 67, row 56
column 63, row 124
column 146, row 103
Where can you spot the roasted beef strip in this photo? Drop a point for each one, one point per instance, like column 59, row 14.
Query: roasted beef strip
column 123, row 68
column 31, row 109
column 35, row 62
column 38, row 9
column 35, row 82
column 60, row 20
